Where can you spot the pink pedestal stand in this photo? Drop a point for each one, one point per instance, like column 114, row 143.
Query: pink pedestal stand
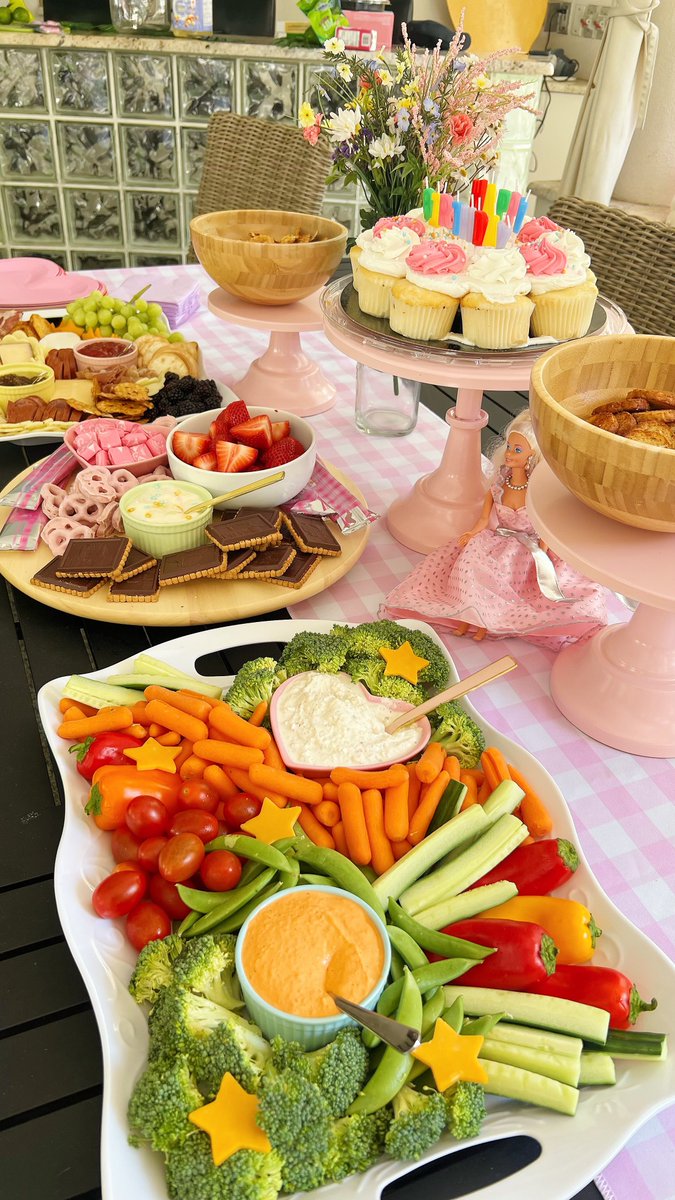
column 619, row 686
column 447, row 502
column 283, row 377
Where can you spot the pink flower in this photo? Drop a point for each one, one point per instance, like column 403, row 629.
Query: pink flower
column 311, row 134
column 462, row 127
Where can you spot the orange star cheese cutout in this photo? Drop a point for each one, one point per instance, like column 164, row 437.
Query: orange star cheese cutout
column 230, row 1121
column 272, row 823
column 403, row 662
column 452, row 1056
column 151, row 756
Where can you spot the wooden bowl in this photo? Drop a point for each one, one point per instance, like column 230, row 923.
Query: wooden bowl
column 631, row 482
column 264, row 272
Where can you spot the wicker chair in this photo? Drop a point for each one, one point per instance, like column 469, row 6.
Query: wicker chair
column 634, row 260
column 250, row 163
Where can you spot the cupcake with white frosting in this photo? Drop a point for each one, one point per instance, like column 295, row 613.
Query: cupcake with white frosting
column 496, row 308
column 562, row 288
column 378, row 258
column 423, row 305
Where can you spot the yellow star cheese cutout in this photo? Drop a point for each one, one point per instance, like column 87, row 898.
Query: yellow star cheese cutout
column 452, row 1056
column 403, row 662
column 272, row 823
column 151, row 756
column 230, row 1121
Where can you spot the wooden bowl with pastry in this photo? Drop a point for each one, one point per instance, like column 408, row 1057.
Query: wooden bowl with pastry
column 603, row 410
column 266, row 256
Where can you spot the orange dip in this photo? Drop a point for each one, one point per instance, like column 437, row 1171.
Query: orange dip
column 305, row 945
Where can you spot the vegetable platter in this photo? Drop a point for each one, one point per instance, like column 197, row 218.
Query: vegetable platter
column 572, row 1151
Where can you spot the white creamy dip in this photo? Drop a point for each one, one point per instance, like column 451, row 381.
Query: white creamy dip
column 328, row 721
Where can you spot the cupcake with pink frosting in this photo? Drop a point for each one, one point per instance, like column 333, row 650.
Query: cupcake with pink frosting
column 424, row 304
column 378, row 259
column 562, row 288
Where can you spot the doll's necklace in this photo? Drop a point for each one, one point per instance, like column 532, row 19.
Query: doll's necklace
column 516, row 487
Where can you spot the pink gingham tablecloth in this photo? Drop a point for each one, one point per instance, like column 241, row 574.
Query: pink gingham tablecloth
column 623, row 806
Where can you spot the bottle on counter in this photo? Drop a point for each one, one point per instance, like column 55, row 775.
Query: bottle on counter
column 133, row 16
column 370, row 25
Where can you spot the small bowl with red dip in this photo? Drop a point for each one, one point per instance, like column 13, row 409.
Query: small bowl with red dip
column 95, row 356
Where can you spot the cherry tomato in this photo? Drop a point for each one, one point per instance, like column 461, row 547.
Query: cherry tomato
column 221, row 871
column 147, row 923
column 241, row 808
column 147, row 817
column 195, row 820
column 166, row 895
column 149, row 852
column 124, row 845
column 196, row 794
column 126, row 866
column 181, row 857
column 119, row 893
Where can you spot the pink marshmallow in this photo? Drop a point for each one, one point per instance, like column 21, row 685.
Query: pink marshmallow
column 87, row 450
column 101, row 459
column 139, row 453
column 109, row 437
column 119, row 456
column 134, row 437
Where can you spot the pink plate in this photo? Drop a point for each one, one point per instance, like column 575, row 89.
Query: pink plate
column 38, row 268
column 33, row 292
column 399, row 706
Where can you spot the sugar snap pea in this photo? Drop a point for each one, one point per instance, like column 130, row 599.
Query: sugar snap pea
column 430, row 939
column 248, row 847
column 233, row 901
column 187, row 922
column 291, row 875
column 342, row 872
column 454, row 1014
column 433, row 1007
column 317, row 880
column 391, row 1072
column 234, row 923
column 412, row 954
column 428, row 978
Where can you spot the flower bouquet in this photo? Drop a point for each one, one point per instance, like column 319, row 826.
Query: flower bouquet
column 401, row 122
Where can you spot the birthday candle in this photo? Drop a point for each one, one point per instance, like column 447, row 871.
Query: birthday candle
column 522, row 213
column 478, row 190
column 456, row 217
column 466, row 221
column 445, row 213
column 503, row 201
column 512, row 210
column 479, row 228
column 490, row 238
column 427, row 203
column 504, row 230
column 435, row 207
column 490, row 198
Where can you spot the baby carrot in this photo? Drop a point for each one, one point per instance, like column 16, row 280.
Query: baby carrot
column 382, row 856
column 396, row 821
column 74, row 713
column 272, row 757
column 244, row 783
column 315, row 831
column 400, row 848
column 528, row 840
column 471, row 789
column 475, row 773
column 369, row 779
column 307, row 791
column 427, row 806
column 197, row 696
column 106, row 720
column 354, row 823
column 187, row 704
column 484, row 791
column 155, row 730
column 499, row 763
column 193, row 767
column 327, row 812
column 138, row 731
column 228, row 754
column 172, row 718
column 338, row 835
column 489, row 770
column 165, row 739
column 414, row 788
column 185, row 752
column 431, row 763
column 451, row 765
column 259, row 713
column 222, row 718
column 330, row 791
column 533, row 811
column 219, row 781
column 87, row 711
column 139, row 714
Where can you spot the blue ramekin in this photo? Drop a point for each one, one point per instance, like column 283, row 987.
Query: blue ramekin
column 310, row 1032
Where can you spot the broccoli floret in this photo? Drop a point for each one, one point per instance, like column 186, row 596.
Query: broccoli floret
column 252, row 684
column 247, row 1175
column 465, row 1109
column 340, row 1070
column 313, row 652
column 365, row 642
column 212, row 1039
column 297, row 1120
column 287, row 1056
column 160, row 1102
column 154, row 968
column 370, row 672
column 419, row 1120
column 393, row 687
column 357, row 1142
column 365, row 670
column 206, row 966
column 458, row 733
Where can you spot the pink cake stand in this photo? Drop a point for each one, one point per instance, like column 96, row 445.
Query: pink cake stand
column 619, row 686
column 283, row 377
column 447, row 502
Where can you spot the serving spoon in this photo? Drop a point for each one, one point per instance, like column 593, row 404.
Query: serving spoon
column 240, row 491
column 402, row 1037
column 469, row 684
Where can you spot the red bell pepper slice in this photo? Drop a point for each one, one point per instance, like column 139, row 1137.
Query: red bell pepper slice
column 525, row 953
column 536, row 869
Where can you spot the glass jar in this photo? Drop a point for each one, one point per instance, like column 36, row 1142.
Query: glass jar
column 386, row 405
column 130, row 16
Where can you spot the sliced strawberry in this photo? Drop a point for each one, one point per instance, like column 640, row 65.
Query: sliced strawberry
column 255, row 432
column 280, row 429
column 234, row 414
column 283, row 451
column 213, row 432
column 188, row 446
column 231, row 456
column 207, row 461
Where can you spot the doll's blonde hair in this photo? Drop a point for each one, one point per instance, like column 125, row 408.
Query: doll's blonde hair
column 521, row 424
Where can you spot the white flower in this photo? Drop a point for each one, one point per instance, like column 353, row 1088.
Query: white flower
column 482, row 82
column 334, row 46
column 344, row 124
column 386, row 78
column 386, row 147
column 345, row 71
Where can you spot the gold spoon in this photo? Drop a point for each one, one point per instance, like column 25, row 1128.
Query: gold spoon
column 477, row 680
column 240, row 491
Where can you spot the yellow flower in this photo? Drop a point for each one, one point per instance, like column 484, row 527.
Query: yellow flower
column 483, row 82
column 400, row 71
column 306, row 115
column 386, row 78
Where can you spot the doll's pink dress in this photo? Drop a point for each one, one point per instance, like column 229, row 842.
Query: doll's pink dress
column 492, row 583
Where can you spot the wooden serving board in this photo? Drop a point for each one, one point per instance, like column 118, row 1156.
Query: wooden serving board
column 204, row 602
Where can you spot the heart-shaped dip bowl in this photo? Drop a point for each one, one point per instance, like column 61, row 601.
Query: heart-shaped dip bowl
column 314, row 708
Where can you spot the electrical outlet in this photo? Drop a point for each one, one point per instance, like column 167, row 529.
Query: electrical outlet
column 557, row 17
column 589, row 20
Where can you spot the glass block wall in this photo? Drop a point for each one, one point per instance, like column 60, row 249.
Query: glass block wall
column 101, row 150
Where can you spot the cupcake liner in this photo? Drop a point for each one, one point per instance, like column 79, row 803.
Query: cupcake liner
column 354, row 256
column 422, row 321
column 497, row 326
column 374, row 292
column 565, row 314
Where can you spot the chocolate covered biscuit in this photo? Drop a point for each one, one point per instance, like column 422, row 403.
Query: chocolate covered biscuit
column 48, row 577
column 136, row 562
column 311, row 533
column 269, row 563
column 244, row 531
column 299, row 571
column 186, row 565
column 142, row 586
column 94, row 557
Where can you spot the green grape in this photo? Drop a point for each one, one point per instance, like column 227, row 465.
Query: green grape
column 115, row 305
column 70, row 308
column 104, row 316
column 95, row 297
column 155, row 310
column 142, row 305
column 135, row 329
column 90, row 319
column 119, row 323
column 105, row 330
column 78, row 317
column 176, row 337
column 128, row 310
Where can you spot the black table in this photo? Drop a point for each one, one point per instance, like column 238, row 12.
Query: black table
column 50, row 1061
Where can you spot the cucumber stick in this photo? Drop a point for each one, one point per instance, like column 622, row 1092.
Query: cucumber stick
column 145, row 664
column 597, row 1070
column 469, row 904
column 516, row 1084
column 637, row 1044
column 543, row 1012
column 553, row 1066
column 98, row 694
column 542, row 1040
column 136, row 679
column 505, row 798
column 491, row 848
column 456, row 832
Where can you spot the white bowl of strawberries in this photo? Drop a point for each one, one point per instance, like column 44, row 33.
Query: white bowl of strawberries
column 225, row 447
